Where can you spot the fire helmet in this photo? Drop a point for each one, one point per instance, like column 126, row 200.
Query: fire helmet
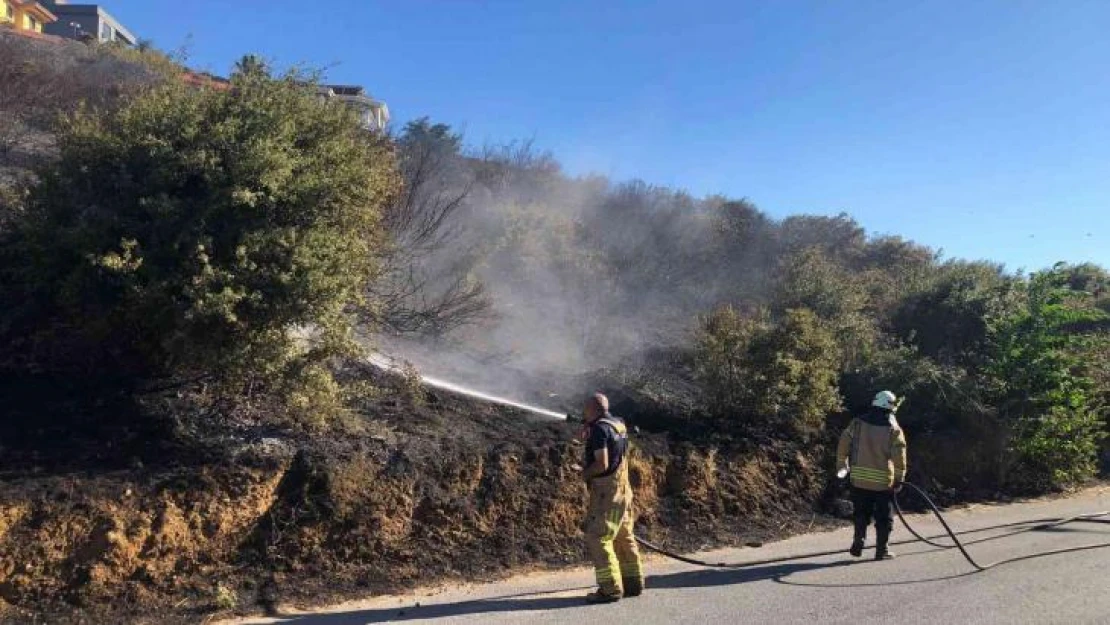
column 885, row 400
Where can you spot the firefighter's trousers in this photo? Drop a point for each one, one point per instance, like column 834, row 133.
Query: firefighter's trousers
column 609, row 539
column 876, row 505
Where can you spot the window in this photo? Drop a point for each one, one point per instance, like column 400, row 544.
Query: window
column 9, row 12
column 33, row 24
column 106, row 32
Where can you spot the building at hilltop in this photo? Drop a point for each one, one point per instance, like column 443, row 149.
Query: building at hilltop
column 87, row 21
column 373, row 114
column 26, row 15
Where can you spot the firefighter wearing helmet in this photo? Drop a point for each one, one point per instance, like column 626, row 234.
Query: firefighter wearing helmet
column 873, row 450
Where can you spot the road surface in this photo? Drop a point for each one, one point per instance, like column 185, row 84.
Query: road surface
column 923, row 585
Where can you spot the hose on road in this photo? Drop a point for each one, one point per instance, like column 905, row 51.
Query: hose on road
column 1040, row 525
column 1025, row 526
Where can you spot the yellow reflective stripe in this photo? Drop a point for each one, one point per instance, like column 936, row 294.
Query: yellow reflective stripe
column 870, row 471
column 868, row 474
column 860, row 467
column 612, row 524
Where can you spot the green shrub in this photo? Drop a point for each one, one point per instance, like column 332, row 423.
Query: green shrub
column 947, row 320
column 765, row 376
column 1056, row 449
column 1042, row 386
column 410, row 384
column 224, row 597
column 191, row 232
column 839, row 297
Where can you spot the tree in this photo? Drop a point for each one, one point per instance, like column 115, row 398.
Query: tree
column 767, row 377
column 745, row 238
column 226, row 234
column 838, row 237
column 947, row 320
column 816, row 282
column 427, row 284
column 1042, row 387
column 252, row 65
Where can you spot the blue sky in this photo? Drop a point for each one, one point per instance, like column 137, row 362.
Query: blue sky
column 982, row 128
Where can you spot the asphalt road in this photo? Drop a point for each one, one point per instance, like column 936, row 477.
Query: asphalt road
column 923, row 585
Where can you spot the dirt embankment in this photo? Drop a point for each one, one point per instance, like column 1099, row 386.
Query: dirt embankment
column 446, row 489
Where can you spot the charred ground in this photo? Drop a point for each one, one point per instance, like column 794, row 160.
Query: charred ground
column 165, row 525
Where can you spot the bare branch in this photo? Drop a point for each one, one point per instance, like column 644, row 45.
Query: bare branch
column 423, row 287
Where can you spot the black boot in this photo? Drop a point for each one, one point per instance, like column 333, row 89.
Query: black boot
column 859, row 537
column 884, row 522
column 882, row 537
column 602, row 596
column 857, row 548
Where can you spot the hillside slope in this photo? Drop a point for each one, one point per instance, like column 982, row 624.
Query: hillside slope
column 440, row 488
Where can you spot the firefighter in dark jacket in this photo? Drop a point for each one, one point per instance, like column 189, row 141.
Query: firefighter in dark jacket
column 873, row 449
column 608, row 528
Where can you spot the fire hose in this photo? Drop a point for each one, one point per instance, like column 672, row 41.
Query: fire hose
column 1021, row 527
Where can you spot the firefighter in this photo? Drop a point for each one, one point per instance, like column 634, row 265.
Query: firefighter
column 608, row 527
column 873, row 449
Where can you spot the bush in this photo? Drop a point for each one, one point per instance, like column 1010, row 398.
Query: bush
column 837, row 296
column 947, row 320
column 955, row 438
column 1056, row 449
column 768, row 377
column 192, row 232
column 1042, row 386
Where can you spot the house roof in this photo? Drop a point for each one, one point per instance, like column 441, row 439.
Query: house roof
column 206, row 80
column 40, row 12
column 346, row 89
column 94, row 9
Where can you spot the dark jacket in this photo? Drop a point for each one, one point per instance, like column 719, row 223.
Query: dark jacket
column 609, row 432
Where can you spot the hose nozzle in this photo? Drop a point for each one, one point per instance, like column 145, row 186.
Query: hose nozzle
column 573, row 418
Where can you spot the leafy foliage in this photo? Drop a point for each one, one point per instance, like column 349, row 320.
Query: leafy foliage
column 768, row 377
column 1042, row 388
column 223, row 234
